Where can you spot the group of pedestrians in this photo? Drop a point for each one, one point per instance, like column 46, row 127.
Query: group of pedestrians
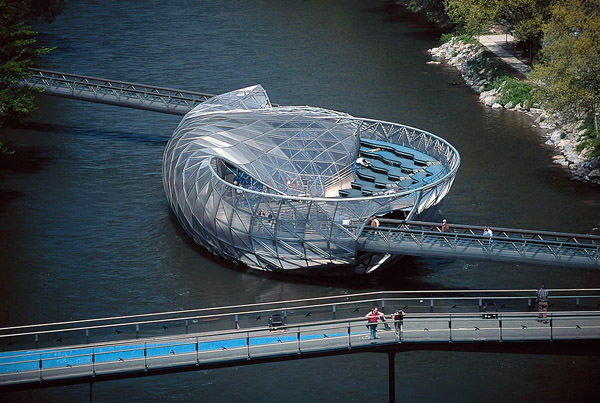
column 374, row 315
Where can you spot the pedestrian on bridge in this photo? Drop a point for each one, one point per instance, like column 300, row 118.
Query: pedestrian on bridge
column 398, row 317
column 542, row 304
column 445, row 226
column 373, row 316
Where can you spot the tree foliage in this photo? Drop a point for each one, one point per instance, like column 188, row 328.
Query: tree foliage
column 570, row 66
column 18, row 50
column 522, row 18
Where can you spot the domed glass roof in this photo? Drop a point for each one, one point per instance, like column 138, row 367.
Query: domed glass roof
column 278, row 188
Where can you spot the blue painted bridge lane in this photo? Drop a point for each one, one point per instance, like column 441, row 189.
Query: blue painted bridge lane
column 141, row 345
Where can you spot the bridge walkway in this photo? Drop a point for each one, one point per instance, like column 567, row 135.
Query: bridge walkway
column 113, row 92
column 419, row 238
column 138, row 345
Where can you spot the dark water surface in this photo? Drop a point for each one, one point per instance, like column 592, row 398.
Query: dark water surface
column 85, row 230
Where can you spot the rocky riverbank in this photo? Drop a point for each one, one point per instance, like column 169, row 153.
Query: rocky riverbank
column 479, row 68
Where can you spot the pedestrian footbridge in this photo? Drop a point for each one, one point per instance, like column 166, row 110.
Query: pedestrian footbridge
column 92, row 350
column 113, row 92
column 468, row 242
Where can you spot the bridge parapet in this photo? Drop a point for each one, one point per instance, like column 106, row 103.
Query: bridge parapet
column 419, row 238
column 352, row 306
column 113, row 92
column 136, row 357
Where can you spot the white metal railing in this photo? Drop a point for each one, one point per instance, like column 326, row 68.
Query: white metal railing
column 111, row 329
column 231, row 346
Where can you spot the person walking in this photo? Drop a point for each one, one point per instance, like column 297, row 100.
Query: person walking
column 542, row 304
column 373, row 316
column 397, row 316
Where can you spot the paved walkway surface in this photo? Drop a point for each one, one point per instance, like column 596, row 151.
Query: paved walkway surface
column 496, row 44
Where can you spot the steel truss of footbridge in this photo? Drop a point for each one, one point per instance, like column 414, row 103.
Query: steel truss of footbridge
column 426, row 239
column 112, row 92
column 93, row 350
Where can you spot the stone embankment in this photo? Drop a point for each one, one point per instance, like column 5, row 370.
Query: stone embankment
column 477, row 68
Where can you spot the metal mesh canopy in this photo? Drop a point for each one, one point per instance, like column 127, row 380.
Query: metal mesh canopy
column 277, row 188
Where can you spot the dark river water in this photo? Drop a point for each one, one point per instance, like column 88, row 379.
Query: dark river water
column 85, row 230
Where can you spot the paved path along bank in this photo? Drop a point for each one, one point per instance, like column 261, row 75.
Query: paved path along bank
column 562, row 135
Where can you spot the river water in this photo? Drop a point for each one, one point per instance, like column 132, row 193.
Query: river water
column 85, row 230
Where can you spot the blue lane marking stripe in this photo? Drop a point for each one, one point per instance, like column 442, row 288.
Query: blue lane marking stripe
column 10, row 362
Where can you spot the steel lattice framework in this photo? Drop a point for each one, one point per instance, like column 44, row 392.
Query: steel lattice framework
column 468, row 242
column 257, row 184
column 113, row 92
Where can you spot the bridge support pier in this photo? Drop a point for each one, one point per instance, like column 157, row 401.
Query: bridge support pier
column 392, row 376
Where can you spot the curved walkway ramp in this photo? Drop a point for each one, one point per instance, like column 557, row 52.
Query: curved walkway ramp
column 93, row 350
column 418, row 238
column 112, row 92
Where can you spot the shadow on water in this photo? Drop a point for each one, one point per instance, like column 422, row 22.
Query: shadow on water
column 386, row 278
column 395, row 13
column 99, row 133
column 26, row 160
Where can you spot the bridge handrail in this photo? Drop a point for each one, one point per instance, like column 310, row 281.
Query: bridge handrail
column 301, row 328
column 360, row 320
column 500, row 238
column 229, row 312
column 172, row 94
column 499, row 230
column 61, row 76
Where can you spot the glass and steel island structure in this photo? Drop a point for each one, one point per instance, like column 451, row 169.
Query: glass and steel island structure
column 290, row 188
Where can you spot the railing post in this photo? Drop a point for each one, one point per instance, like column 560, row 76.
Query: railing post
column 37, row 340
column 137, row 331
column 186, row 327
column 197, row 351
column 450, row 328
column 500, row 327
column 298, row 338
column 145, row 357
column 87, row 336
column 431, row 305
column 392, row 376
column 248, row 344
column 333, row 309
column 349, row 336
column 93, row 363
column 40, row 365
column 236, row 321
column 577, row 303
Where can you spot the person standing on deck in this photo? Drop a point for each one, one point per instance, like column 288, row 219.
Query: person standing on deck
column 542, row 304
column 373, row 316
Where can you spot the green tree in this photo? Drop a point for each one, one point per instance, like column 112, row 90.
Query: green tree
column 522, row 18
column 569, row 72
column 18, row 50
column 472, row 17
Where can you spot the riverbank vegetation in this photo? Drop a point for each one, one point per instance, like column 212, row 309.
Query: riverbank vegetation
column 19, row 49
column 562, row 42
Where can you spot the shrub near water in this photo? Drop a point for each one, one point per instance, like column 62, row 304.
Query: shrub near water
column 513, row 90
